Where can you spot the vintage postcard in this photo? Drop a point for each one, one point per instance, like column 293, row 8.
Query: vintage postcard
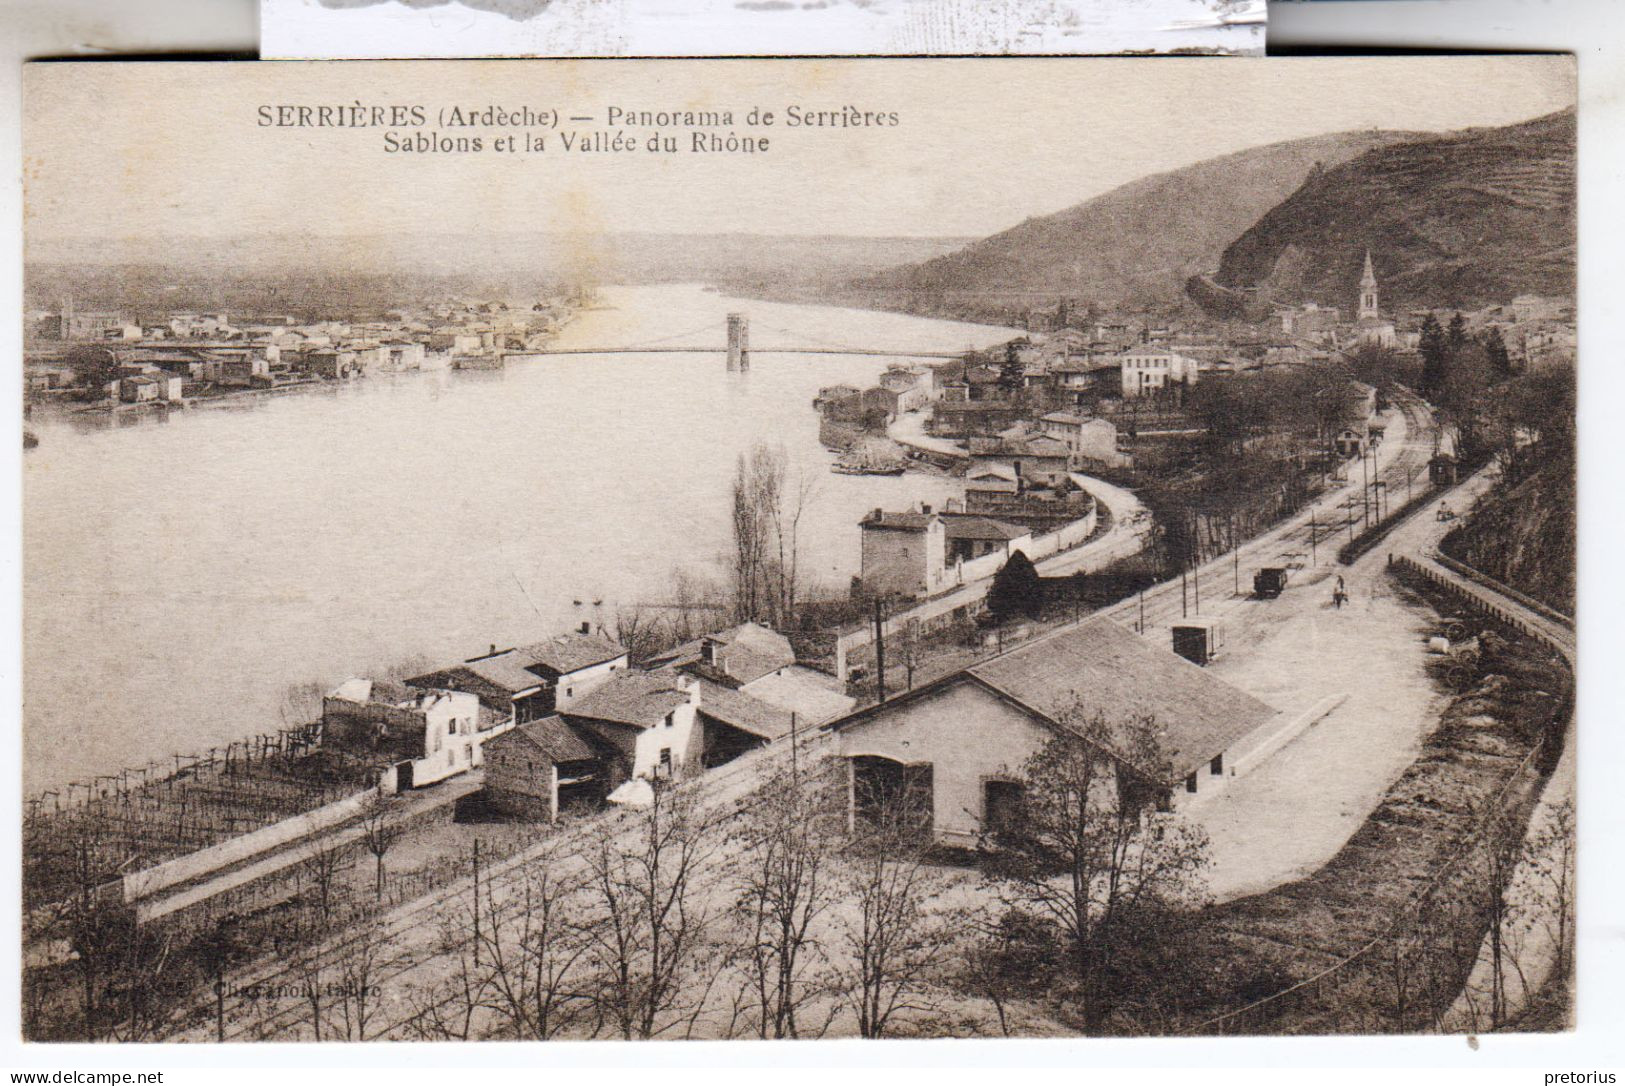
column 337, row 29
column 884, row 548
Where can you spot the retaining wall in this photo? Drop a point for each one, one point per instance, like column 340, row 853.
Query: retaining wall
column 975, row 577
column 206, row 861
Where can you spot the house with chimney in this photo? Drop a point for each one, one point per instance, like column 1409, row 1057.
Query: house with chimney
column 752, row 689
column 518, row 685
column 904, row 554
column 949, row 755
column 646, row 722
column 414, row 736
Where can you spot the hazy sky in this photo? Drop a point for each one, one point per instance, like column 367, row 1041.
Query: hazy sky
column 135, row 150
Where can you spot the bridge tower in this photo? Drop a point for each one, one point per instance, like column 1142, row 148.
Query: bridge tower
column 738, row 343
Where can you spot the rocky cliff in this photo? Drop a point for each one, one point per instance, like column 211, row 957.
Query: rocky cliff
column 1458, row 221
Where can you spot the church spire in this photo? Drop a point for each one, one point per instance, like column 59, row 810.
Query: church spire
column 1368, row 292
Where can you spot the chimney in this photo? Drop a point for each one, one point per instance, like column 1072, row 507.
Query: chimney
column 493, row 648
column 586, row 628
column 690, row 686
column 925, row 507
column 878, row 512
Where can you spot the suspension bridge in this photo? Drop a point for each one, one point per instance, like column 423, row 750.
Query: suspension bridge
column 737, row 347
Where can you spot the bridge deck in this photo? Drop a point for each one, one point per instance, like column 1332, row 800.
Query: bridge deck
column 873, row 352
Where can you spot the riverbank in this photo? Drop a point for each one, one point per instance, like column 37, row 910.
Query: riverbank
column 336, row 534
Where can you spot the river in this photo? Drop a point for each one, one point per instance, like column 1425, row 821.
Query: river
column 181, row 577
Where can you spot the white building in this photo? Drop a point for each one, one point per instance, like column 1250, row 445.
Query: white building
column 1087, row 438
column 1146, row 369
column 648, row 718
column 416, row 736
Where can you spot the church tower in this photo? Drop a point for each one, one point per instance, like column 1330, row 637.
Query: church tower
column 1368, row 291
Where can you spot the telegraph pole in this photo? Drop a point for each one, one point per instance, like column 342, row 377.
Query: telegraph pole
column 1313, row 560
column 880, row 653
column 1365, row 492
column 1235, row 552
column 795, row 765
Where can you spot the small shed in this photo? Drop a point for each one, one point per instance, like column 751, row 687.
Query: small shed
column 1198, row 640
column 538, row 767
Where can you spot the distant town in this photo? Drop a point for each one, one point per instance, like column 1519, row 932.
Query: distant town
column 95, row 360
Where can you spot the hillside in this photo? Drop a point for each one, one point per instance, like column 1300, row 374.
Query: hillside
column 101, row 265
column 1456, row 221
column 1133, row 245
column 1525, row 537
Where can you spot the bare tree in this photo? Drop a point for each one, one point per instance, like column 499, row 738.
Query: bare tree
column 767, row 511
column 311, row 969
column 535, row 947
column 1084, row 852
column 758, row 480
column 447, row 1010
column 642, row 632
column 91, row 925
column 357, row 969
column 215, row 951
column 784, row 887
column 380, row 829
column 887, row 937
column 912, row 650
column 318, row 874
column 1550, row 853
column 785, row 516
column 140, row 969
column 648, row 913
column 1502, row 851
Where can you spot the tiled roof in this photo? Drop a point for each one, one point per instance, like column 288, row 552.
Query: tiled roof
column 1100, row 667
column 742, row 664
column 507, row 670
column 748, row 651
column 1037, row 446
column 464, row 677
column 811, row 695
column 901, row 522
column 639, row 698
column 571, row 652
column 975, row 527
column 554, row 737
column 742, row 711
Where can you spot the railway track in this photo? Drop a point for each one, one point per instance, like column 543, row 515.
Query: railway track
column 412, row 932
column 413, row 936
column 1310, row 539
